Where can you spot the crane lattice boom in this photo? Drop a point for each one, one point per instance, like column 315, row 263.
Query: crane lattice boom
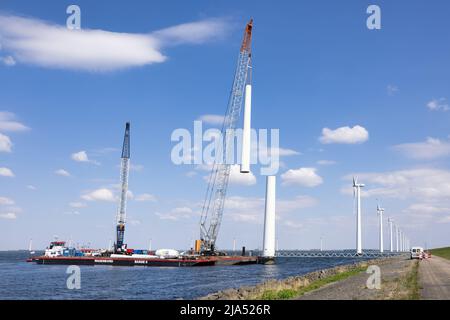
column 213, row 207
column 124, row 174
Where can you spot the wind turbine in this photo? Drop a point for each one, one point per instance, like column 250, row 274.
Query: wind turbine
column 401, row 241
column 391, row 226
column 357, row 196
column 404, row 242
column 380, row 212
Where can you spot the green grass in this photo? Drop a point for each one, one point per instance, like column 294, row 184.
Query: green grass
column 441, row 252
column 288, row 294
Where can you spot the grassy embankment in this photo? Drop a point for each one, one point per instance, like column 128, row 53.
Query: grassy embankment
column 286, row 294
column 441, row 252
column 406, row 287
column 410, row 285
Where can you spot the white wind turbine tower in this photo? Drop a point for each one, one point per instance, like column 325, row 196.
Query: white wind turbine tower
column 391, row 233
column 401, row 241
column 397, row 238
column 357, row 195
column 380, row 214
column 404, row 242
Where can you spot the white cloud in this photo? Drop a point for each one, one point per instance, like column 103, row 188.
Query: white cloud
column 82, row 156
column 9, row 124
column 212, row 119
column 282, row 152
column 30, row 187
column 146, row 197
column 5, row 172
column 6, row 201
column 5, row 143
column 167, row 216
column 306, row 177
column 193, row 32
column 234, row 203
column 344, row 135
column 182, row 210
column 427, row 184
column 427, row 208
column 176, row 214
column 285, row 152
column 245, row 179
column 293, row 224
column 136, row 167
column 44, row 44
column 392, row 90
column 244, row 209
column 72, row 213
column 245, row 217
column 428, row 150
column 134, row 222
column 77, row 205
column 251, row 210
column 326, row 162
column 297, row 203
column 191, row 174
column 425, row 213
column 100, row 195
column 438, row 105
column 62, row 173
column 8, row 216
column 444, row 220
column 8, row 61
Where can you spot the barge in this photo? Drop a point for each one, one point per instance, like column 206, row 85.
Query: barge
column 147, row 262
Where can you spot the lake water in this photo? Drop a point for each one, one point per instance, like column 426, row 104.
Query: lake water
column 21, row 280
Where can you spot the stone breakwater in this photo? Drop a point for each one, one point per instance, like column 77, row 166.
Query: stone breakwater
column 291, row 283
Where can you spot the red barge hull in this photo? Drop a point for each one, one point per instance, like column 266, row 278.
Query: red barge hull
column 130, row 262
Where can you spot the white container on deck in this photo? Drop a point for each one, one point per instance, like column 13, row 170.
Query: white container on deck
column 167, row 254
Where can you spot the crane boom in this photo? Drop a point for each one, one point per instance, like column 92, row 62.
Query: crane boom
column 213, row 207
column 124, row 174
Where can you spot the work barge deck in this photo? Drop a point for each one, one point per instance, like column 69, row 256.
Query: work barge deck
column 150, row 262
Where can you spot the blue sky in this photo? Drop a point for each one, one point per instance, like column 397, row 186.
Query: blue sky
column 315, row 66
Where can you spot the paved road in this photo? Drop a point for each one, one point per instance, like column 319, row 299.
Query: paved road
column 434, row 279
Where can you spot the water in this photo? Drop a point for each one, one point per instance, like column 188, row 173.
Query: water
column 21, row 280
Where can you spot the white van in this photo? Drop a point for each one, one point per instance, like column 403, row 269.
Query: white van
column 417, row 253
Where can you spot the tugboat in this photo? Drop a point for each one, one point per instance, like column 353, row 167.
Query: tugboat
column 56, row 249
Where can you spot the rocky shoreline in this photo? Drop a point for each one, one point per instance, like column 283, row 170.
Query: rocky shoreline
column 291, row 283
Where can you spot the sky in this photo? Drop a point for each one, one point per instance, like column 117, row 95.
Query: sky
column 348, row 101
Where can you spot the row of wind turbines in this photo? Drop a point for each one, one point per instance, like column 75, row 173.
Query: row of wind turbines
column 402, row 242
